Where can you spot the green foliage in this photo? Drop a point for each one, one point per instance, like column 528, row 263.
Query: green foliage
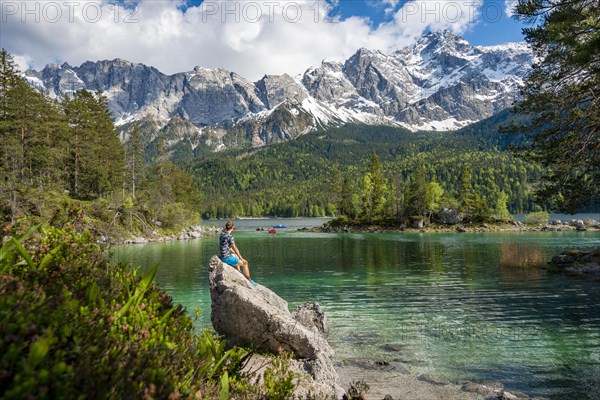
column 561, row 96
column 299, row 177
column 279, row 379
column 537, row 218
column 417, row 200
column 95, row 160
column 501, row 212
column 74, row 326
column 374, row 188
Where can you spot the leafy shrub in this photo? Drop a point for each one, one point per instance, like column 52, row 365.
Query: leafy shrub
column 537, row 218
column 279, row 379
column 75, row 326
column 176, row 216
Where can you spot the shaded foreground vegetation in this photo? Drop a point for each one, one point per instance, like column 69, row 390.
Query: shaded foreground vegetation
column 75, row 326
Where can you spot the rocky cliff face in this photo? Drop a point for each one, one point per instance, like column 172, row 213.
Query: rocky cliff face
column 441, row 82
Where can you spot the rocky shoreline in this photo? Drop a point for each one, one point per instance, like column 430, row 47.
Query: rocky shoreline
column 190, row 233
column 513, row 226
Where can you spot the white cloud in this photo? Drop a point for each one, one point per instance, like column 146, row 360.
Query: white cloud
column 509, row 7
column 251, row 38
column 23, row 61
column 388, row 5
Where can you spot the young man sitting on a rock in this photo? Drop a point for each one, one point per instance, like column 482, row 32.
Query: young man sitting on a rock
column 227, row 245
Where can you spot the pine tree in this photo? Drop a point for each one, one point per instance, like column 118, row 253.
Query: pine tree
column 562, row 96
column 374, row 188
column 8, row 77
column 417, row 203
column 96, row 154
column 336, row 188
column 345, row 206
column 501, row 210
column 29, row 127
column 466, row 196
column 434, row 197
column 134, row 160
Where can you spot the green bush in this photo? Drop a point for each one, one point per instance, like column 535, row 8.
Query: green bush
column 176, row 216
column 279, row 379
column 537, row 218
column 74, row 326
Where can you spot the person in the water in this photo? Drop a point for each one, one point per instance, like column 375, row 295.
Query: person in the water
column 227, row 247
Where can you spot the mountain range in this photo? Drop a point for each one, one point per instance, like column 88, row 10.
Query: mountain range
column 441, row 82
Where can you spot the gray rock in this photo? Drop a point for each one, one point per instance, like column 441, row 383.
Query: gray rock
column 563, row 258
column 418, row 223
column 393, row 348
column 255, row 316
column 195, row 234
column 580, row 225
column 137, row 240
column 506, row 395
column 312, row 316
column 473, row 387
column 450, row 217
column 276, row 89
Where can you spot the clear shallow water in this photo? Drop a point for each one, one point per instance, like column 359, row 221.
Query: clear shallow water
column 443, row 300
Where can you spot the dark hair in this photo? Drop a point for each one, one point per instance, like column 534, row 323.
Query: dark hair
column 228, row 225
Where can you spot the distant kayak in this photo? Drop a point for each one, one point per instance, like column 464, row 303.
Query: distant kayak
column 280, row 227
column 272, row 231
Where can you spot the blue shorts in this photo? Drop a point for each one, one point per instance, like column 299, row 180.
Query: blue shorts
column 231, row 260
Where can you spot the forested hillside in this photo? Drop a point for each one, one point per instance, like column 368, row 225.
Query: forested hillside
column 305, row 177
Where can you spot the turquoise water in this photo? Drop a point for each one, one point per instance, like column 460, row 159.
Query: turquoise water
column 443, row 300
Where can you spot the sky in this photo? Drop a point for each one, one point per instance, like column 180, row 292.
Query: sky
column 249, row 37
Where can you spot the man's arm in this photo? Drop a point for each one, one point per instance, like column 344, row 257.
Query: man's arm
column 236, row 251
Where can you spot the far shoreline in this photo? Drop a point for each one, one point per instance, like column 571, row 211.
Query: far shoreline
column 509, row 227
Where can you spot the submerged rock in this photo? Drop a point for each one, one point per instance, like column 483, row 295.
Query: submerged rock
column 577, row 263
column 255, row 316
column 564, row 258
column 434, row 380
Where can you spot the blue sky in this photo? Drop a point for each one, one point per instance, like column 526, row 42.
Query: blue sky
column 493, row 27
column 250, row 37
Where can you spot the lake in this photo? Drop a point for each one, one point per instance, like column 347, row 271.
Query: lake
column 446, row 302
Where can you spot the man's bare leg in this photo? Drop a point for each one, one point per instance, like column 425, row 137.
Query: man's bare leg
column 245, row 268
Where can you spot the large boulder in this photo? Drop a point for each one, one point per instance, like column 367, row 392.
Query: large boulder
column 312, row 316
column 450, row 217
column 255, row 316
